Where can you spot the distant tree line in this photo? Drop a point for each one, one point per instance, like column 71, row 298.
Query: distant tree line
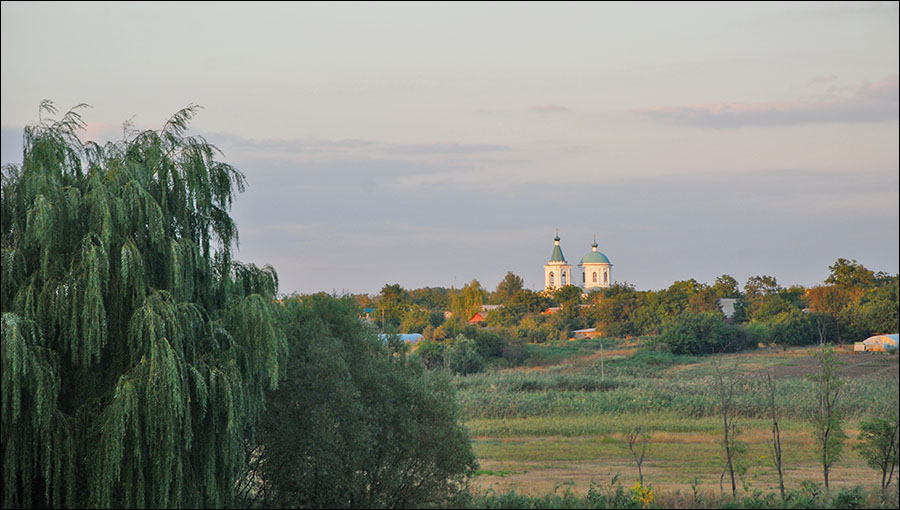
column 852, row 304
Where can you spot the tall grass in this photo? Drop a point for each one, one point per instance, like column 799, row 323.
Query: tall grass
column 650, row 383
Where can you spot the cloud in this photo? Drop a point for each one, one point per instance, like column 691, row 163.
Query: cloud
column 446, row 148
column 820, row 80
column 791, row 223
column 348, row 147
column 549, row 108
column 867, row 103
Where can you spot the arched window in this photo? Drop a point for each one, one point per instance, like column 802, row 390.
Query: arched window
column 582, row 277
column 605, row 277
column 595, row 276
column 551, row 278
column 563, row 278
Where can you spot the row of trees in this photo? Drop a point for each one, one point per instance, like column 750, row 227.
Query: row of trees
column 143, row 367
column 850, row 305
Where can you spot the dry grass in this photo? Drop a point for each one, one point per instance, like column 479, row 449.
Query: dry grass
column 542, row 454
column 538, row 478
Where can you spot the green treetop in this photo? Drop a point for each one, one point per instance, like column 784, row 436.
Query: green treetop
column 135, row 350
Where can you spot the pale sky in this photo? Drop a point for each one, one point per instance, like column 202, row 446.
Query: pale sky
column 429, row 144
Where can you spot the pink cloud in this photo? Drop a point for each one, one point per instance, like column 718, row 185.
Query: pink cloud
column 866, row 103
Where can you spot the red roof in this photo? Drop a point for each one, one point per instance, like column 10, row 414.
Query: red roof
column 478, row 317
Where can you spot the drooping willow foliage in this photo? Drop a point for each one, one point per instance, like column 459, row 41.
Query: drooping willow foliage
column 135, row 350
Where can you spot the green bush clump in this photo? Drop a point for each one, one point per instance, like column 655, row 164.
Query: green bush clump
column 431, row 354
column 462, row 357
column 654, row 359
column 703, row 333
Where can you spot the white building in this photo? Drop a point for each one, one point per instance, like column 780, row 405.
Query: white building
column 595, row 268
column 557, row 272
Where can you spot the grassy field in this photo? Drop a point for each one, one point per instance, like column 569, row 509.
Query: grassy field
column 556, row 425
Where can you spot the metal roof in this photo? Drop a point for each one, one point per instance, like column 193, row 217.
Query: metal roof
column 409, row 338
column 594, row 257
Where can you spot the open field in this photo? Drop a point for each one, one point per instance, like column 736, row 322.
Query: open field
column 556, row 425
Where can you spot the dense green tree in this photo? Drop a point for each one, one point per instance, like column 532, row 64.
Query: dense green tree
column 354, row 425
column 435, row 299
column 703, row 333
column 757, row 291
column 770, row 306
column 507, row 289
column 536, row 329
column 431, row 353
column 568, row 295
column 877, row 311
column 792, row 327
column 468, row 300
column 392, row 303
column 567, row 319
column 415, row 320
column 849, row 273
column 689, row 295
column 726, row 287
column 135, row 351
column 612, row 314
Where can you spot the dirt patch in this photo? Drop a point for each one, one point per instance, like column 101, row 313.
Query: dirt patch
column 855, row 364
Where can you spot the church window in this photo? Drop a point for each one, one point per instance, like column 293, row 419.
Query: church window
column 605, row 277
column 551, row 277
column 563, row 278
column 595, row 276
column 582, row 277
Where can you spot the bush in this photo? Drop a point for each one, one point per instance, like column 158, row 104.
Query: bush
column 462, row 357
column 514, row 352
column 703, row 333
column 431, row 354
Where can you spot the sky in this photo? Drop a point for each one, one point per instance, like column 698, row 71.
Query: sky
column 429, row 144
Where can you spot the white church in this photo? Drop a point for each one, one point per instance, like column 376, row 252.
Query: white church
column 594, row 267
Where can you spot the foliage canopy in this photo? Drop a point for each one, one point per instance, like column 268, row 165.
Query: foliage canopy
column 355, row 425
column 135, row 349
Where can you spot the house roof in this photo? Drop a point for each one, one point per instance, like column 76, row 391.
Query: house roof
column 478, row 316
column 409, row 338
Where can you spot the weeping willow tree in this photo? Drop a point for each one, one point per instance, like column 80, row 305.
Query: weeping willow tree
column 135, row 350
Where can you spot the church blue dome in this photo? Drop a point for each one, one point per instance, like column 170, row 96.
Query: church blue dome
column 594, row 256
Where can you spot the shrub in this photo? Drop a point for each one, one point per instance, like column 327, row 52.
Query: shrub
column 462, row 357
column 703, row 333
column 431, row 354
column 514, row 352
